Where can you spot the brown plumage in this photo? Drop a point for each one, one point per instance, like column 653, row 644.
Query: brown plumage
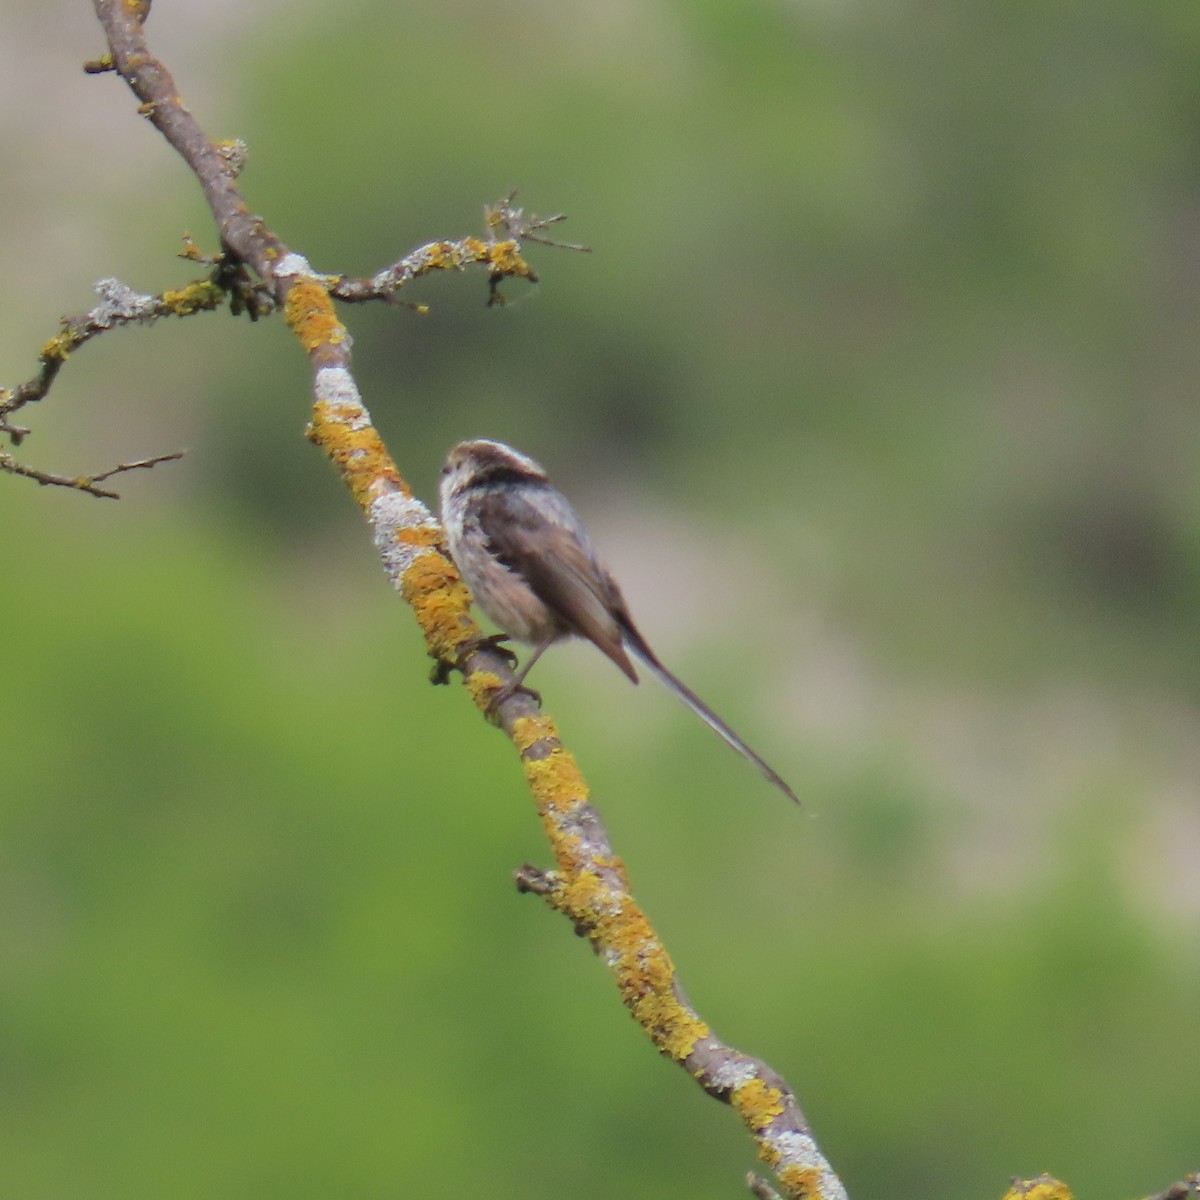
column 531, row 567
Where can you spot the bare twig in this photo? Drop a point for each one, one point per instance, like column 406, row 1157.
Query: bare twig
column 760, row 1188
column 83, row 483
column 515, row 224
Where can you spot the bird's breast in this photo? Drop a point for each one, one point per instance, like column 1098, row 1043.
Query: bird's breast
column 503, row 595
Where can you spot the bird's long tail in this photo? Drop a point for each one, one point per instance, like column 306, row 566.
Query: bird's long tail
column 637, row 644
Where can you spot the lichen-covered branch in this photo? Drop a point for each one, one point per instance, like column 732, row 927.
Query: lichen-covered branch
column 231, row 281
column 119, row 305
column 589, row 883
column 500, row 254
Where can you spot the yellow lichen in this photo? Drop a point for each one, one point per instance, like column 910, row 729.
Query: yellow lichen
column 59, row 347
column 556, row 781
column 201, row 295
column 358, row 453
column 505, row 257
column 419, row 535
column 1042, row 1187
column 483, row 685
column 682, row 1036
column 469, row 250
column 586, row 897
column 801, row 1183
column 757, row 1103
column 310, row 316
column 528, row 731
column 442, row 606
column 434, row 572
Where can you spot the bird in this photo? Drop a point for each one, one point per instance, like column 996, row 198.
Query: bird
column 531, row 567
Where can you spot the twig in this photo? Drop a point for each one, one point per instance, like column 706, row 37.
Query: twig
column 513, row 221
column 760, row 1188
column 83, row 483
column 501, row 255
column 119, row 305
column 502, row 259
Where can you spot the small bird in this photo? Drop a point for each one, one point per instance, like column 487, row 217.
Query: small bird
column 530, row 565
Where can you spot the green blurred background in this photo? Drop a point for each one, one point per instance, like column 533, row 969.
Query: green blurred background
column 879, row 390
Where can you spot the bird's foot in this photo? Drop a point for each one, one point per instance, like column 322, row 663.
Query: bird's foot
column 442, row 668
column 507, row 692
column 494, row 642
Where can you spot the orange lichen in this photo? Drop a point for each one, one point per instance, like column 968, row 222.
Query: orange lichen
column 801, row 1183
column 585, row 897
column 646, row 981
column 528, row 731
column 483, row 685
column 598, row 899
column 310, row 316
column 358, row 453
column 1042, row 1187
column 598, row 903
column 434, row 572
column 505, row 258
column 757, row 1103
column 419, row 535
column 437, row 596
column 681, row 1033
column 556, row 781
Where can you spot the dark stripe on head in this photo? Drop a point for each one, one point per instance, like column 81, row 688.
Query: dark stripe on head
column 501, row 474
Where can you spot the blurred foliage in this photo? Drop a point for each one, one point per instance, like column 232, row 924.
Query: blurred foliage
column 889, row 340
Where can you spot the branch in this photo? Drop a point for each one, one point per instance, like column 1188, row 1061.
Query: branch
column 84, row 483
column 589, row 885
column 231, row 280
column 503, row 259
column 1187, row 1188
column 119, row 305
column 759, row 1188
column 502, row 256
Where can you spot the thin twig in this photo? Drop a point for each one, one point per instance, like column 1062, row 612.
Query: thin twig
column 502, row 259
column 119, row 305
column 760, row 1188
column 83, row 483
column 515, row 224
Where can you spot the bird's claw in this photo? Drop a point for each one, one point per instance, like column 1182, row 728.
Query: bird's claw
column 507, row 692
column 440, row 674
column 494, row 642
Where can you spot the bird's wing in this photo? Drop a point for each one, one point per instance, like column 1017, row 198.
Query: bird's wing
column 555, row 559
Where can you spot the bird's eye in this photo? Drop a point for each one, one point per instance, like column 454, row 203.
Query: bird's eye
column 446, row 469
